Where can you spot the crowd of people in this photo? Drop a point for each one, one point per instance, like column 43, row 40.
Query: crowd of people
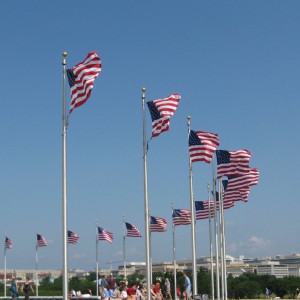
column 110, row 290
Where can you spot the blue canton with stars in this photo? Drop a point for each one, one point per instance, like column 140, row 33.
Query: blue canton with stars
column 155, row 115
column 223, row 157
column 225, row 184
column 199, row 205
column 71, row 77
column 194, row 139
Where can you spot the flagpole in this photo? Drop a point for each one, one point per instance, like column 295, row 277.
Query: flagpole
column 195, row 288
column 210, row 247
column 5, row 267
column 124, row 249
column 64, row 181
column 36, row 265
column 174, row 258
column 216, row 229
column 146, row 208
column 224, row 241
column 221, row 238
column 150, row 250
column 97, row 261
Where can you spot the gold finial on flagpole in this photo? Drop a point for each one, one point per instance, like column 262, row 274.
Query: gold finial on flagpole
column 189, row 120
column 143, row 90
column 64, row 54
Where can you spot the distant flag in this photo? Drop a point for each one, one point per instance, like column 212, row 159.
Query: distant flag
column 161, row 110
column 158, row 224
column 226, row 203
column 204, row 209
column 232, row 163
column 235, row 195
column 181, row 217
column 104, row 235
column 202, row 145
column 41, row 241
column 73, row 238
column 81, row 79
column 237, row 188
column 8, row 243
column 132, row 231
column 243, row 181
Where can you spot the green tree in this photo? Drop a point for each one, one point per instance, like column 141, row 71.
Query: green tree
column 291, row 284
column 45, row 285
column 58, row 283
column 92, row 276
column 74, row 283
column 204, row 281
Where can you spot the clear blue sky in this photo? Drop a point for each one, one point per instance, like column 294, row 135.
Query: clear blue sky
column 236, row 65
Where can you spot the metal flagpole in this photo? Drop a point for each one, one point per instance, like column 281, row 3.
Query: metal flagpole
column 5, row 267
column 216, row 230
column 36, row 265
column 64, row 181
column 124, row 249
column 147, row 240
column 224, row 241
column 195, row 288
column 150, row 250
column 221, row 238
column 174, row 258
column 97, row 261
column 210, row 247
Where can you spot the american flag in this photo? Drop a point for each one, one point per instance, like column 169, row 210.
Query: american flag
column 40, row 241
column 158, row 224
column 104, row 235
column 161, row 110
column 8, row 243
column 236, row 195
column 231, row 163
column 243, row 181
column 204, row 209
column 181, row 217
column 132, row 231
column 226, row 203
column 202, row 145
column 81, row 79
column 73, row 238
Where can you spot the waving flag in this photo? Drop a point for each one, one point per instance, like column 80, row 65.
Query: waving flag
column 81, row 79
column 104, row 235
column 232, row 163
column 235, row 195
column 8, row 243
column 40, row 241
column 73, row 238
column 204, row 209
column 237, row 188
column 202, row 145
column 132, row 231
column 243, row 181
column 181, row 217
column 226, row 203
column 161, row 110
column 158, row 224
